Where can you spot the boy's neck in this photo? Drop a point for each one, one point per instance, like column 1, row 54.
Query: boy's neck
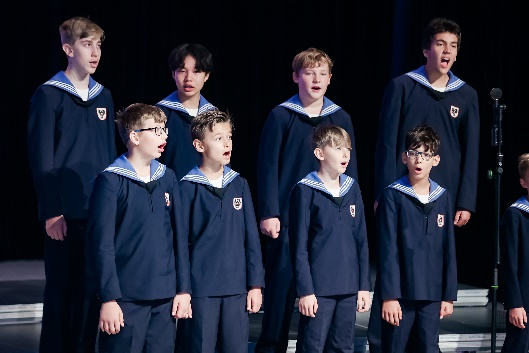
column 311, row 106
column 212, row 170
column 80, row 80
column 436, row 79
column 141, row 165
column 192, row 102
column 331, row 181
column 421, row 187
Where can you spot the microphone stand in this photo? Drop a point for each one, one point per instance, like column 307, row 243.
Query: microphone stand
column 496, row 141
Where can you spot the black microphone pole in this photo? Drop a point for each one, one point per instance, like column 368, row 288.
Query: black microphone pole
column 496, row 140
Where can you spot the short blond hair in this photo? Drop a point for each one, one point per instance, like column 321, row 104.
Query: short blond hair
column 76, row 28
column 311, row 58
column 330, row 135
column 134, row 116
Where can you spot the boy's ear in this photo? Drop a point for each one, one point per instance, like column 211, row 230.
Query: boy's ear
column 523, row 184
column 67, row 49
column 436, row 160
column 206, row 77
column 199, row 146
column 318, row 153
column 425, row 52
column 404, row 158
column 295, row 77
column 133, row 137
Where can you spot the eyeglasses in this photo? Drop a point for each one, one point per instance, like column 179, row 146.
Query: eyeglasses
column 157, row 130
column 426, row 156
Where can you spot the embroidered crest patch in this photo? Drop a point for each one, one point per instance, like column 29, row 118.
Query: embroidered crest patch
column 237, row 203
column 454, row 111
column 440, row 220
column 352, row 209
column 101, row 113
column 167, row 201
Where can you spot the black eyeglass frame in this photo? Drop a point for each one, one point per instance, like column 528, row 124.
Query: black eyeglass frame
column 157, row 130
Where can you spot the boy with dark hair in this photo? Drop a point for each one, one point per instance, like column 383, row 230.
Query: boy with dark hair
column 70, row 140
column 514, row 251
column 225, row 252
column 416, row 280
column 434, row 96
column 191, row 65
column 135, row 231
column 284, row 158
column 329, row 248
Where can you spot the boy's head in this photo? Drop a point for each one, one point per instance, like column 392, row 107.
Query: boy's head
column 131, row 120
column 202, row 56
column 332, row 147
column 421, row 155
column 311, row 58
column 77, row 28
column 440, row 25
column 523, row 170
column 211, row 132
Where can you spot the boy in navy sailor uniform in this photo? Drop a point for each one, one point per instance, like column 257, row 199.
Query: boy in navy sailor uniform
column 190, row 65
column 284, row 158
column 514, row 264
column 137, row 242
column 329, row 248
column 416, row 280
column 71, row 138
column 227, row 272
column 433, row 95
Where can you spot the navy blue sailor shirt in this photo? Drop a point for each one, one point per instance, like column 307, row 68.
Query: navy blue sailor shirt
column 328, row 238
column 135, row 234
column 285, row 153
column 224, row 245
column 179, row 153
column 416, row 244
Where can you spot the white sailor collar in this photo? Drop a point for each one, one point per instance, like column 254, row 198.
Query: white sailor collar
column 294, row 103
column 312, row 180
column 403, row 185
column 60, row 80
column 123, row 167
column 195, row 175
column 419, row 75
column 172, row 102
column 521, row 204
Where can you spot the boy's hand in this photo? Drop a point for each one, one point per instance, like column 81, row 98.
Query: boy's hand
column 392, row 312
column 447, row 308
column 308, row 305
column 182, row 306
column 518, row 317
column 254, row 300
column 270, row 227
column 462, row 217
column 363, row 302
column 56, row 227
column 111, row 317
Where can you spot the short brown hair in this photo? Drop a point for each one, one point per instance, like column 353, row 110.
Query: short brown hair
column 523, row 164
column 134, row 116
column 423, row 135
column 330, row 135
column 311, row 58
column 76, row 28
column 206, row 121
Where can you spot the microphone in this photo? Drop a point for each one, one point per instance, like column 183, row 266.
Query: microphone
column 495, row 93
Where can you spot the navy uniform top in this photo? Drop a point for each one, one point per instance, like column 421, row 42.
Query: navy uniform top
column 514, row 251
column 286, row 154
column 224, row 244
column 179, row 153
column 416, row 245
column 409, row 101
column 328, row 238
column 135, row 230
column 70, row 141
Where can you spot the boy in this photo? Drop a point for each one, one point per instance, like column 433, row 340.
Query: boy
column 417, row 276
column 133, row 227
column 329, row 248
column 190, row 65
column 70, row 140
column 224, row 248
column 514, row 250
column 284, row 158
column 434, row 96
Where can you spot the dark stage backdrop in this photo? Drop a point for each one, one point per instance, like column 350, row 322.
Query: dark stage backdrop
column 253, row 43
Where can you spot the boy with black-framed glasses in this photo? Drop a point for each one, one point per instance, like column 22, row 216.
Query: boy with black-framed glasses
column 416, row 281
column 136, row 238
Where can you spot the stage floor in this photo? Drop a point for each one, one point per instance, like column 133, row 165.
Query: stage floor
column 22, row 285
